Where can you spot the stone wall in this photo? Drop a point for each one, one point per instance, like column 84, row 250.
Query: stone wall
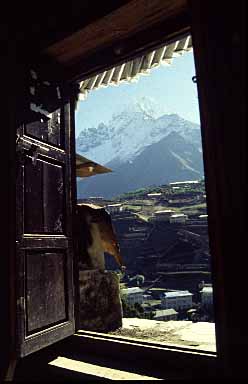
column 100, row 304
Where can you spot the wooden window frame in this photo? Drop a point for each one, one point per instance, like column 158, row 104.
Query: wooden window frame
column 211, row 21
column 230, row 340
column 111, row 346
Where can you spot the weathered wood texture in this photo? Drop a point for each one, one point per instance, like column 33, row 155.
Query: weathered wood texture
column 48, row 132
column 121, row 35
column 45, row 292
column 125, row 21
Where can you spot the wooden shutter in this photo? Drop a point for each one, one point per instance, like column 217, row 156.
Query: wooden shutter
column 44, row 252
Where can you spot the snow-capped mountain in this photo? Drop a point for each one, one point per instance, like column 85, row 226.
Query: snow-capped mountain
column 143, row 148
column 129, row 132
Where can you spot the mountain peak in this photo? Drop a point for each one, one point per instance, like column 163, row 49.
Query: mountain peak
column 144, row 105
column 129, row 132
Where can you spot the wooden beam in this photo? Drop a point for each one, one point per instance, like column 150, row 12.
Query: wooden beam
column 126, row 50
column 127, row 20
column 155, row 25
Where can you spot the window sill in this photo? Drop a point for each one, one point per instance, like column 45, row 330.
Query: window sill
column 150, row 359
column 179, row 333
column 97, row 356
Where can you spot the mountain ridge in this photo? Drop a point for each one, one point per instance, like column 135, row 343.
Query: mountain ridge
column 142, row 150
column 121, row 138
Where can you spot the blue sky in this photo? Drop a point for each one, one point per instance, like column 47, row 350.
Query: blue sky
column 171, row 87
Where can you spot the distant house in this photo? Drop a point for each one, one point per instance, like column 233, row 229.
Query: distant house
column 154, row 195
column 165, row 314
column 179, row 218
column 203, row 217
column 156, row 292
column 207, row 296
column 184, row 183
column 147, row 297
column 96, row 198
column 133, row 295
column 176, row 300
column 163, row 215
column 114, row 208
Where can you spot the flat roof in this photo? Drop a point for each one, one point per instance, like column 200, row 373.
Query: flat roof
column 132, row 290
column 157, row 289
column 113, row 205
column 177, row 294
column 179, row 215
column 207, row 290
column 166, row 312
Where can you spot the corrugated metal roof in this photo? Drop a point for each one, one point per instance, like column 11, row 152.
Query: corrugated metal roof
column 132, row 70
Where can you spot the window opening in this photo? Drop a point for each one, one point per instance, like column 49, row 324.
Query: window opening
column 143, row 140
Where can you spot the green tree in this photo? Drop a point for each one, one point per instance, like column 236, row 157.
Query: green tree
column 129, row 310
column 135, row 310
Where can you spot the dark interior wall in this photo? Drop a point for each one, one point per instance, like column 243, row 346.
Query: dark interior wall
column 4, row 267
column 9, row 86
column 219, row 40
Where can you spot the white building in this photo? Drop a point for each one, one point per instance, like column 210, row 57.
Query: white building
column 165, row 314
column 203, row 217
column 207, row 296
column 179, row 218
column 163, row 215
column 147, row 297
column 114, row 208
column 133, row 295
column 154, row 195
column 176, row 300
